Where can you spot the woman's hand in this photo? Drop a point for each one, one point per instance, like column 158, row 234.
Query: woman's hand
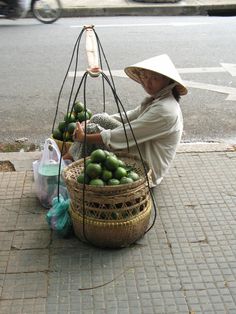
column 83, row 123
column 78, row 134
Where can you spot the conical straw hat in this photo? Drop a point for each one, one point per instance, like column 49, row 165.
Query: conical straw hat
column 160, row 64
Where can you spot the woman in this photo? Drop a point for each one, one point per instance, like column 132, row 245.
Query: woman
column 157, row 123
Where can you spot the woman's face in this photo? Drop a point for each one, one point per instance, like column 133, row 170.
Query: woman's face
column 153, row 82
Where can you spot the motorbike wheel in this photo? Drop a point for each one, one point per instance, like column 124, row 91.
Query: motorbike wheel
column 46, row 11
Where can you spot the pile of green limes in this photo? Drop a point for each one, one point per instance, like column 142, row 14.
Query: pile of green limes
column 65, row 128
column 105, row 168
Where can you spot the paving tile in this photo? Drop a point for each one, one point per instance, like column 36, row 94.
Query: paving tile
column 21, row 261
column 4, row 257
column 37, row 239
column 19, row 306
column 24, row 286
column 32, row 221
column 2, row 277
column 59, row 242
column 8, row 220
column 11, row 185
column 31, row 205
column 6, row 240
column 29, row 186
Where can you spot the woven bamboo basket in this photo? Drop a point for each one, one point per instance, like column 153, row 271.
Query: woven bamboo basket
column 117, row 211
column 66, row 147
column 112, row 233
column 93, row 201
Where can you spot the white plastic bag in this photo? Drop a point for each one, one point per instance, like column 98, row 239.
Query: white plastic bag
column 46, row 174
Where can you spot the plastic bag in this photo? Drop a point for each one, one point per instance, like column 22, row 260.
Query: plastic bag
column 58, row 217
column 46, row 174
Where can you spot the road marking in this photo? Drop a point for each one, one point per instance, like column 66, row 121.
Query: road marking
column 226, row 67
column 229, row 67
column 201, row 70
column 231, row 91
column 180, row 24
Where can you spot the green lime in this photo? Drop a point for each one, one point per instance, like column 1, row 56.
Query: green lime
column 78, row 106
column 120, row 172
column 125, row 180
column 71, row 127
column 121, row 163
column 89, row 113
column 62, row 126
column 67, row 137
column 96, row 182
column 111, row 163
column 113, row 182
column 57, row 134
column 106, row 175
column 82, row 116
column 88, row 161
column 83, row 178
column 98, row 155
column 68, row 118
column 106, row 152
column 133, row 175
column 115, row 215
column 93, row 170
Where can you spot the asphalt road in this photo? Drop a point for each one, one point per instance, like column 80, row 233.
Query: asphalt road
column 35, row 58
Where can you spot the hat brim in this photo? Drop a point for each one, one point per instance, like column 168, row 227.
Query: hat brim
column 132, row 72
column 159, row 64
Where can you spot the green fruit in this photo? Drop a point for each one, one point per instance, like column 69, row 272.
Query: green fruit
column 107, row 152
column 115, row 215
column 111, row 163
column 68, row 118
column 98, row 155
column 96, row 182
column 78, row 106
column 113, row 182
column 82, row 116
column 57, row 134
column 106, row 175
column 93, row 170
column 126, row 180
column 89, row 113
column 120, row 172
column 62, row 126
column 88, row 161
column 67, row 137
column 133, row 175
column 121, row 163
column 83, row 178
column 71, row 127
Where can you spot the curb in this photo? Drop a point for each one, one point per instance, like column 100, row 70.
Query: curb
column 22, row 161
column 148, row 10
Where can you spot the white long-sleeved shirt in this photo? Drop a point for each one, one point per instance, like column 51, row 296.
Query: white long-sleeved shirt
column 157, row 127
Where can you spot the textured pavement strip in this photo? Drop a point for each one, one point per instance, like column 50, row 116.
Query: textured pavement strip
column 187, row 262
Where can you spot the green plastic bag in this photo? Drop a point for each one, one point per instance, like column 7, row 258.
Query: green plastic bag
column 58, row 217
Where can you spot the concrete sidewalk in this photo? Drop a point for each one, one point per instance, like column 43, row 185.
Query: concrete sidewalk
column 185, row 264
column 79, row 8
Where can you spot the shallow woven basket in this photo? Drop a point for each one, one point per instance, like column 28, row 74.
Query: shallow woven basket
column 112, row 233
column 66, row 147
column 106, row 202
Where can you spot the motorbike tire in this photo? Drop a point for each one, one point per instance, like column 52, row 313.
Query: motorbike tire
column 46, row 11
